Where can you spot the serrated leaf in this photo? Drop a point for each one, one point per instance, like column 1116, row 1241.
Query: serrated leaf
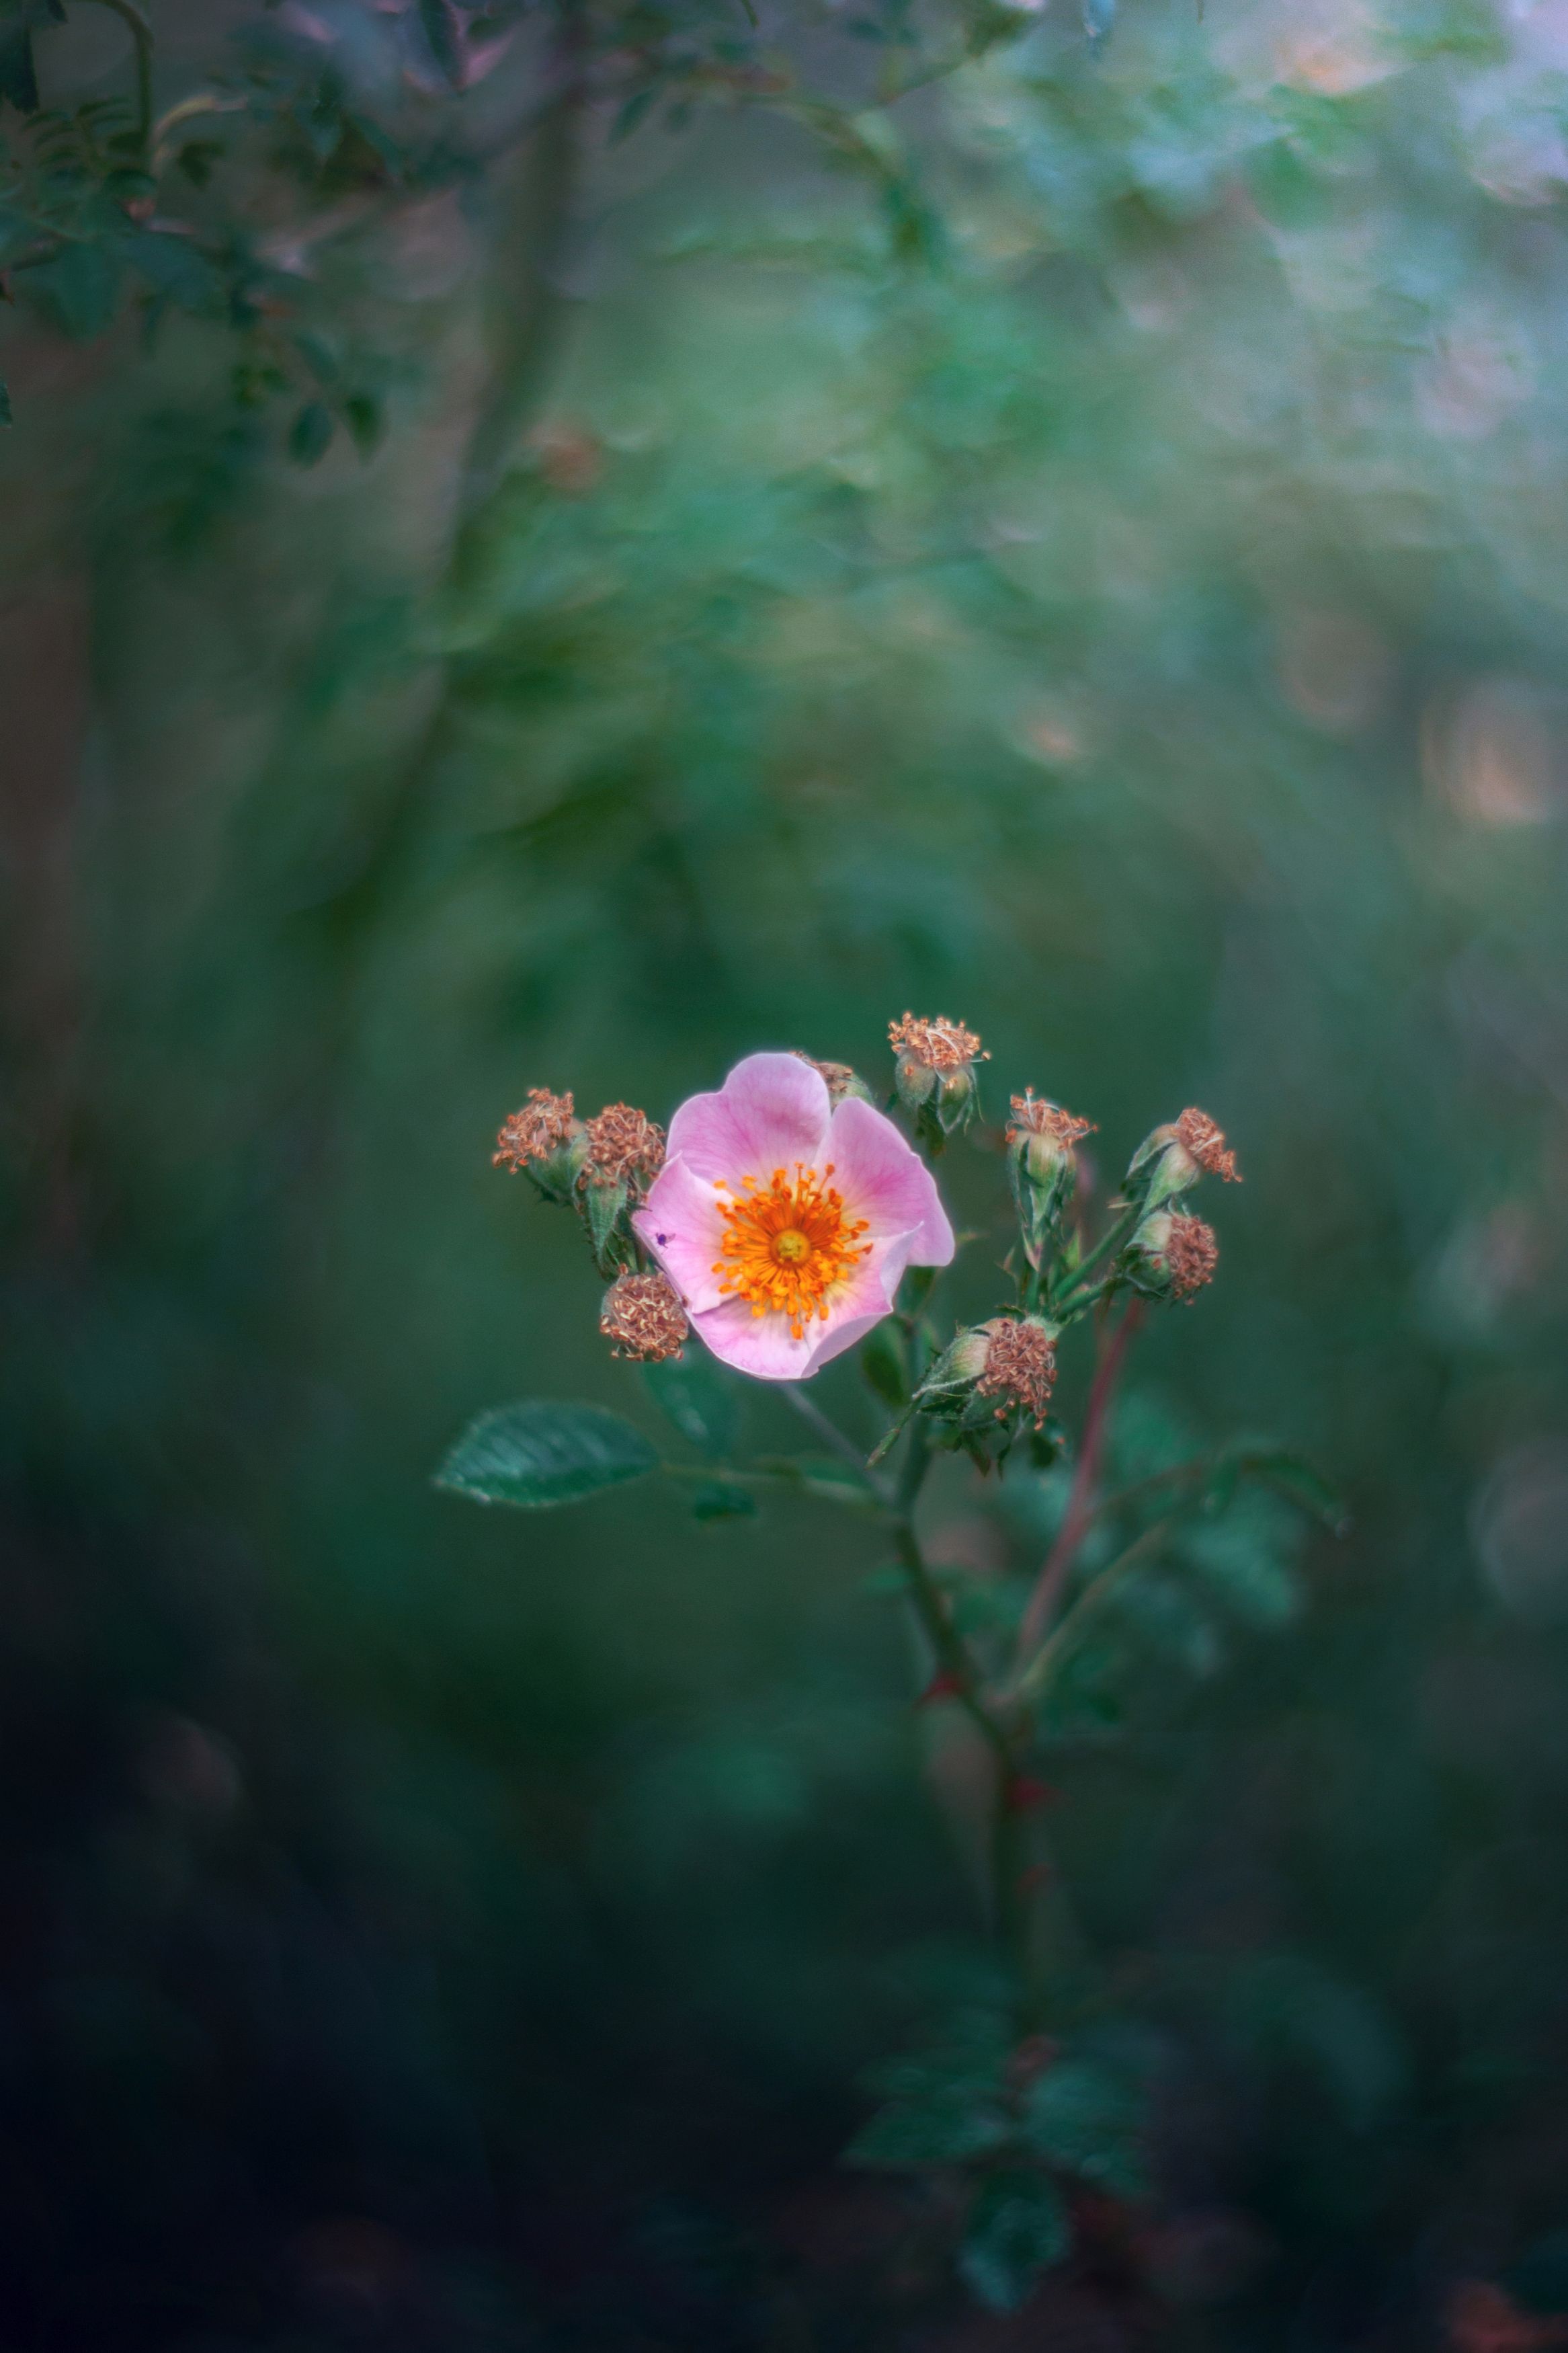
column 311, row 435
column 536, row 1453
column 1018, row 2228
column 1085, row 2119
column 698, row 1399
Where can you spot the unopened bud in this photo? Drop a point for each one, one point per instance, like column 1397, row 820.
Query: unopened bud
column 546, row 1140
column 841, row 1082
column 643, row 1316
column 1168, row 1162
column 1171, row 1256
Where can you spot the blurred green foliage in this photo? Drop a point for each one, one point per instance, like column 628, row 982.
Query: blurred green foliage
column 1081, row 547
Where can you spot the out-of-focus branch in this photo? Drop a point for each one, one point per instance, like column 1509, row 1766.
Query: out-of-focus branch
column 1058, row 1562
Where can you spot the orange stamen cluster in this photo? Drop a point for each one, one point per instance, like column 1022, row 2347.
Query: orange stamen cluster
column 1205, row 1142
column 787, row 1248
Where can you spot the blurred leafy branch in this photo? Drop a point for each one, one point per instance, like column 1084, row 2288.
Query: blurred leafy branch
column 105, row 201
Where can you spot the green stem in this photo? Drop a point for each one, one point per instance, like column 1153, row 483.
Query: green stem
column 810, row 1413
column 142, row 34
column 1067, row 1302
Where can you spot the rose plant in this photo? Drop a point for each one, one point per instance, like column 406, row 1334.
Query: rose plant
column 783, row 1221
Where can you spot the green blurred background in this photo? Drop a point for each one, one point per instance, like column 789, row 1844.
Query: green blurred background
column 1084, row 553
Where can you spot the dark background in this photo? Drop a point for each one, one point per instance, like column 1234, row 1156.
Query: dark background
column 1118, row 602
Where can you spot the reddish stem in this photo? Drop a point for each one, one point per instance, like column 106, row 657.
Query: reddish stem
column 1058, row 1562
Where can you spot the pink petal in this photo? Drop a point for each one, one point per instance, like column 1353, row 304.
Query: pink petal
column 770, row 1111
column 680, row 1227
column 884, row 1180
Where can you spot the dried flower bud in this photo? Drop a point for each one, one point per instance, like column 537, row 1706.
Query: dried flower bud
column 1041, row 1165
column 1171, row 1256
column 545, row 1139
column 1176, row 1157
column 840, row 1081
column 935, row 1069
column 643, row 1317
column 992, row 1371
column 624, row 1147
column 1020, row 1367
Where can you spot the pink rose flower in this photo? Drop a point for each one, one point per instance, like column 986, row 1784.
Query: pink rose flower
column 784, row 1225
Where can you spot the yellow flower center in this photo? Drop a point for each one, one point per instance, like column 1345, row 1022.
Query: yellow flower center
column 786, row 1247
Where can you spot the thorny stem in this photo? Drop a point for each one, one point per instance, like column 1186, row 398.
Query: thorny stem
column 1057, row 1567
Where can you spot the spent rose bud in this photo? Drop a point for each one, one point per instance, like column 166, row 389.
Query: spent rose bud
column 997, row 1370
column 1168, row 1162
column 935, row 1071
column 643, row 1318
column 624, row 1152
column 544, row 1140
column 1042, row 1167
column 843, row 1084
column 1171, row 1256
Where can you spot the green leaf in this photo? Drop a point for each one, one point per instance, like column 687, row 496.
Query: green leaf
column 698, row 1399
column 537, row 1453
column 366, row 421
column 6, row 415
column 944, row 2127
column 177, row 267
column 311, row 435
column 1244, row 1560
column 1086, row 2118
column 1292, row 1476
column 82, row 286
column 719, row 1501
column 1017, row 2228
